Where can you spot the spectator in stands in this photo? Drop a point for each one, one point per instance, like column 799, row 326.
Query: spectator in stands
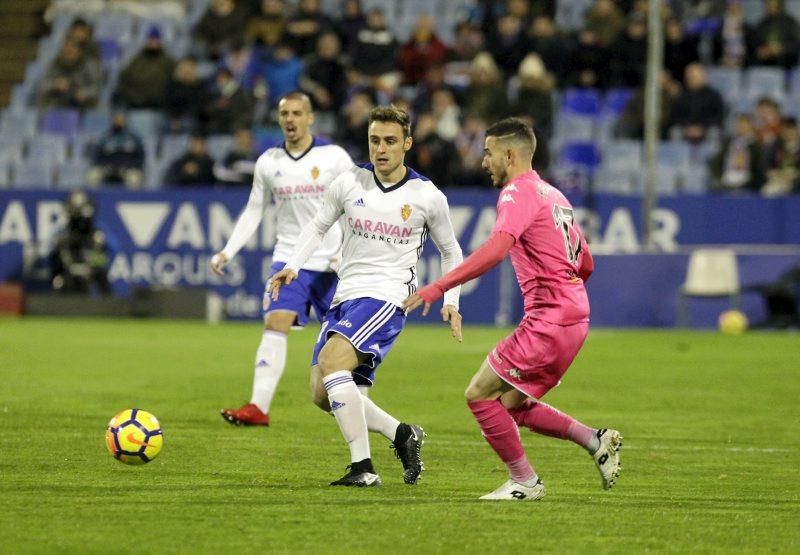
column 374, row 53
column 350, row 24
column 606, row 21
column 230, row 107
column 776, row 38
column 508, row 43
column 195, row 167
column 737, row 166
column 238, row 166
column 433, row 80
column 423, row 50
column 71, row 81
column 222, row 24
column 469, row 144
column 680, row 50
column 306, row 26
column 588, row 63
column 552, row 45
column 629, row 53
column 446, row 112
column 324, row 75
column 243, row 61
column 783, row 177
column 267, row 27
column 768, row 123
column 118, row 157
column 433, row 156
column 485, row 95
column 534, row 98
column 352, row 134
column 186, row 97
column 732, row 38
column 81, row 33
column 699, row 108
column 468, row 41
column 631, row 122
column 281, row 70
column 142, row 84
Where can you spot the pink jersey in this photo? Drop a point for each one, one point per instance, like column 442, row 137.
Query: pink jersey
column 548, row 252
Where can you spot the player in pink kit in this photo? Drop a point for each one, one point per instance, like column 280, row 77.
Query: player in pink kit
column 536, row 227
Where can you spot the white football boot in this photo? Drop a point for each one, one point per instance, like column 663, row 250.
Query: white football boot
column 606, row 458
column 514, row 491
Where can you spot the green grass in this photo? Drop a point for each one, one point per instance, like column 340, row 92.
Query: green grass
column 710, row 458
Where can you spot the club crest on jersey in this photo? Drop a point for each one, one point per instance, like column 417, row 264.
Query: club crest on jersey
column 405, row 212
column 314, row 173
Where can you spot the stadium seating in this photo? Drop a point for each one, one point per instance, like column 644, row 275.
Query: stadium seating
column 616, row 100
column 72, row 175
column 726, row 80
column 584, row 102
column 581, row 154
column 48, row 147
column 34, row 173
column 765, row 81
column 219, row 146
column 60, row 121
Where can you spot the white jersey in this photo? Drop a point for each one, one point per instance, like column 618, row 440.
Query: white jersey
column 297, row 185
column 385, row 228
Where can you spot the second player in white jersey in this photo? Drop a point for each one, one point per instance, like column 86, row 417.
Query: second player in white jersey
column 385, row 228
column 297, row 184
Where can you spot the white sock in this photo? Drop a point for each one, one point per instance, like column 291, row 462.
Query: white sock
column 270, row 362
column 378, row 420
column 347, row 406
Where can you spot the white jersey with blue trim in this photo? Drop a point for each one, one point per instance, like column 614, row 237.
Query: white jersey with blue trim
column 297, row 185
column 385, row 228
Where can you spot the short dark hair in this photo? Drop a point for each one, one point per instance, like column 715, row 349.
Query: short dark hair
column 513, row 129
column 298, row 95
column 391, row 114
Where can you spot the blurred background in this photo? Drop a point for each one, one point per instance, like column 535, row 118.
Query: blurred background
column 129, row 131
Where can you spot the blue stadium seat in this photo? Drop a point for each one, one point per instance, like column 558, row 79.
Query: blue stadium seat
column 19, row 122
column 573, row 128
column 95, row 122
column 110, row 53
column 616, row 100
column 118, row 26
column 72, row 175
column 146, row 123
column 219, row 146
column 765, row 81
column 21, row 96
column 5, row 174
column 614, row 180
column 726, row 80
column 676, row 154
column 695, row 180
column 33, row 174
column 60, row 121
column 10, row 150
column 173, row 146
column 666, row 180
column 794, row 83
column 585, row 102
column 623, row 154
column 583, row 154
column 47, row 149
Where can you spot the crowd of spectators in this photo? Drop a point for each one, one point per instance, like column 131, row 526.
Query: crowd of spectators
column 504, row 58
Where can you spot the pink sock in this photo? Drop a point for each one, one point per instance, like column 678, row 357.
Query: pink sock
column 546, row 420
column 502, row 434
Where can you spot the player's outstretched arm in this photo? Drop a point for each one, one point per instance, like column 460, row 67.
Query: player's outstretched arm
column 218, row 262
column 281, row 278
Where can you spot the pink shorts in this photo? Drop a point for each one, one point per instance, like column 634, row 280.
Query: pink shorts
column 537, row 354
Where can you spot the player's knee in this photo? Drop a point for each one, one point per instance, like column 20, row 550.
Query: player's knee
column 472, row 393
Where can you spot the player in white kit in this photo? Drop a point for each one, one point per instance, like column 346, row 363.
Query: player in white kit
column 388, row 212
column 296, row 176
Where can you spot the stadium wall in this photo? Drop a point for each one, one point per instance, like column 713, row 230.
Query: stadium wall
column 165, row 239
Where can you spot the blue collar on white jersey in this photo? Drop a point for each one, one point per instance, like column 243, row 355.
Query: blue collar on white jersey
column 306, row 151
column 410, row 174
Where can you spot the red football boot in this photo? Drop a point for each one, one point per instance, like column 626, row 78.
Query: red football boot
column 248, row 415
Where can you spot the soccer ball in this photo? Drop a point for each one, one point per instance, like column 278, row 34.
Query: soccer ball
column 732, row 322
column 134, row 436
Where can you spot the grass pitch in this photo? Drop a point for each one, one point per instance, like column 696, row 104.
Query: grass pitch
column 710, row 461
